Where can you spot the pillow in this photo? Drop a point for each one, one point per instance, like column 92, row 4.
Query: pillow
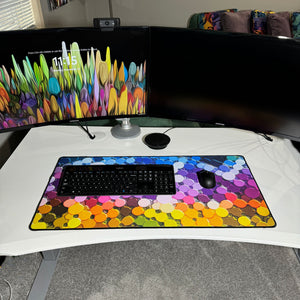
column 193, row 21
column 279, row 24
column 259, row 21
column 296, row 24
column 205, row 21
column 237, row 21
column 208, row 20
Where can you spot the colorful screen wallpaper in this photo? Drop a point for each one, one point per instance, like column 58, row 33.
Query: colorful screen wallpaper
column 235, row 201
column 70, row 81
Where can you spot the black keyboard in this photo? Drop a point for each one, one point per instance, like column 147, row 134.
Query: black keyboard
column 117, row 180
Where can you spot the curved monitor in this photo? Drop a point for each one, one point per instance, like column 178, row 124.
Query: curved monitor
column 238, row 80
column 57, row 75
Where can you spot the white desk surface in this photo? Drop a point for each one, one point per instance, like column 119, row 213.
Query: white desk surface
column 275, row 166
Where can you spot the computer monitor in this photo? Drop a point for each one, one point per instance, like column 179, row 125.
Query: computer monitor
column 53, row 76
column 237, row 80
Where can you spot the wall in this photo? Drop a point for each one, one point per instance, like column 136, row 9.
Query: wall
column 38, row 15
column 145, row 12
column 70, row 15
column 177, row 12
column 76, row 13
column 96, row 9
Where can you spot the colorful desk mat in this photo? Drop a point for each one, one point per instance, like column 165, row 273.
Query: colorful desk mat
column 235, row 201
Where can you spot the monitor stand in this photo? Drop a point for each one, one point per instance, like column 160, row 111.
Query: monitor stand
column 125, row 130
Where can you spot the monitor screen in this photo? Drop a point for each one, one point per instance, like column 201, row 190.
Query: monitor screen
column 56, row 75
column 237, row 80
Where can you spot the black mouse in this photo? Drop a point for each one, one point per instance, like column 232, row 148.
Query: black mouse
column 157, row 140
column 206, row 179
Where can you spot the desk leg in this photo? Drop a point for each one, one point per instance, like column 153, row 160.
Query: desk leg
column 297, row 251
column 43, row 277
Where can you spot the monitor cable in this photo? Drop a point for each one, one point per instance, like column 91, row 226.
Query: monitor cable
column 86, row 130
column 264, row 135
column 169, row 129
column 6, row 281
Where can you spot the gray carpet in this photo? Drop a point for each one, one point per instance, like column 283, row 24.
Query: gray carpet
column 162, row 269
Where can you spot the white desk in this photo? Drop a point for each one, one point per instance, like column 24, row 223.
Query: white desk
column 275, row 166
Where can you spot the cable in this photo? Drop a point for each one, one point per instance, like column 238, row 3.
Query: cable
column 264, row 135
column 169, row 129
column 280, row 161
column 86, row 130
column 10, row 290
column 111, row 14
